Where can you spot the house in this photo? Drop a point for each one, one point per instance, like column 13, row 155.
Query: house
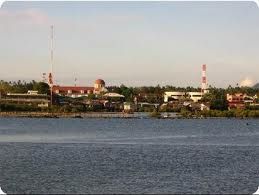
column 240, row 100
column 113, row 101
column 249, row 99
column 80, row 91
column 236, row 100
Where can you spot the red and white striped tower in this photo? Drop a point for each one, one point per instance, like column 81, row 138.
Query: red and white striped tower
column 204, row 79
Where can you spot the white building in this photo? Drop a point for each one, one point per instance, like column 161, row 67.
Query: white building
column 177, row 95
column 113, row 95
column 195, row 96
column 173, row 95
column 129, row 107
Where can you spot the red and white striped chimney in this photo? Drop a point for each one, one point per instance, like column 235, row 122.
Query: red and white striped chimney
column 204, row 79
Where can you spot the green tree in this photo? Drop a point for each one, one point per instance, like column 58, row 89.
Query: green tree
column 41, row 87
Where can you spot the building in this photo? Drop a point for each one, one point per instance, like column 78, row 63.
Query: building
column 174, row 95
column 113, row 96
column 129, row 107
column 177, row 95
column 80, row 91
column 239, row 100
column 249, row 99
column 204, row 107
column 29, row 98
column 99, row 86
column 195, row 96
column 236, row 100
column 113, row 101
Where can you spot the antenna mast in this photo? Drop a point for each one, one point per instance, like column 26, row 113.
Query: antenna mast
column 51, row 64
column 51, row 48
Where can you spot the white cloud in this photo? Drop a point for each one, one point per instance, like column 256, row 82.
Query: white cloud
column 247, row 82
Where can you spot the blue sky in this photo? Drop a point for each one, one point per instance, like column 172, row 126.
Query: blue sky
column 135, row 43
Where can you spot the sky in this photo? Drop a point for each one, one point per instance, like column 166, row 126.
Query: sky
column 131, row 43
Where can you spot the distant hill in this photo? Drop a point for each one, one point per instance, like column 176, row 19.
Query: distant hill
column 256, row 86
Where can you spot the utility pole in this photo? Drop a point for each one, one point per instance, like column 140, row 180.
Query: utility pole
column 75, row 81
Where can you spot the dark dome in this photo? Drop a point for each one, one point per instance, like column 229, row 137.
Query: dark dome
column 99, row 82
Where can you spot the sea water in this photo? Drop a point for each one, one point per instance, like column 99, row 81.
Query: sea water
column 211, row 156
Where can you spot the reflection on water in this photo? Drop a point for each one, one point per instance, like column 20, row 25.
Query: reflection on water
column 129, row 155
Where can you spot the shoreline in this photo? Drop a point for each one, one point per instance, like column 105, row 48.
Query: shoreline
column 66, row 115
column 135, row 115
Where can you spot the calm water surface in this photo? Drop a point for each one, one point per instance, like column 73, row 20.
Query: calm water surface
column 129, row 156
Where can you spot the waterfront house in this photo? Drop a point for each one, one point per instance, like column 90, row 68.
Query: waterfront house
column 236, row 101
column 240, row 100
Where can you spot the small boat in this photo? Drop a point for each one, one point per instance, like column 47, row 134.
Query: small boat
column 1, row 191
column 257, row 191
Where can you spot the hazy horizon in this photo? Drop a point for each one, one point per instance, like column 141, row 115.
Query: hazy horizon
column 131, row 43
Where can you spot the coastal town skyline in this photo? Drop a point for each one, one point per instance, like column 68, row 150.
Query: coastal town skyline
column 125, row 43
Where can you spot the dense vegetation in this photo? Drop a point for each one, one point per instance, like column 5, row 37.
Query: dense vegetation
column 23, row 87
column 151, row 94
column 19, row 107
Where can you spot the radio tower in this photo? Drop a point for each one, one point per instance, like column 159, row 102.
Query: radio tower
column 204, row 79
column 51, row 64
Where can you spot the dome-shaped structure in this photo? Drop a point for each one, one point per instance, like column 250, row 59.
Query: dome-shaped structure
column 99, row 85
column 99, row 82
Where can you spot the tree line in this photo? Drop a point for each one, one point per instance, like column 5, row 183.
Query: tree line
column 23, row 87
column 150, row 94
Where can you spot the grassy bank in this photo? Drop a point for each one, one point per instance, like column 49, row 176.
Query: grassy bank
column 155, row 114
column 225, row 113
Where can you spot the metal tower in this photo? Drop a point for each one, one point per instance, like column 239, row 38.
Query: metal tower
column 51, row 64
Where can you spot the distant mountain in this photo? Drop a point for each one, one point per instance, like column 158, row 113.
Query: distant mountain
column 256, row 86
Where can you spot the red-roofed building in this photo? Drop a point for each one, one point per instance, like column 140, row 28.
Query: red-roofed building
column 236, row 100
column 80, row 91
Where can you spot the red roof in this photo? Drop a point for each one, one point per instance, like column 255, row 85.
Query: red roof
column 76, row 89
